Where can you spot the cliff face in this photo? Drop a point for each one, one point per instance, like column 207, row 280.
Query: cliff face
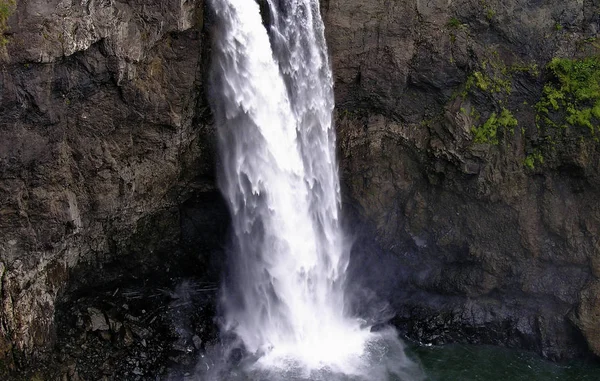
column 462, row 152
column 476, row 209
column 101, row 134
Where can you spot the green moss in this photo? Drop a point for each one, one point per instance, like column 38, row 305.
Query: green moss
column 558, row 27
column 454, row 23
column 488, row 132
column 574, row 94
column 495, row 83
column 481, row 81
column 429, row 120
column 533, row 158
column 531, row 69
column 570, row 100
column 474, row 114
column 496, row 78
column 490, row 14
column 589, row 46
column 7, row 7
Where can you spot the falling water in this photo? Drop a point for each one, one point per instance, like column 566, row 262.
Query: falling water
column 273, row 100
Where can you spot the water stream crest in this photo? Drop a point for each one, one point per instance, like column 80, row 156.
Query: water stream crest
column 272, row 96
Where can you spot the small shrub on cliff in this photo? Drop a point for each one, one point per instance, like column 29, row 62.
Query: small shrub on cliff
column 575, row 93
column 498, row 82
column 533, row 158
column 488, row 132
column 454, row 23
column 7, row 7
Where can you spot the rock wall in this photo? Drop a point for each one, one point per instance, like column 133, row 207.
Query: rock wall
column 477, row 211
column 483, row 205
column 102, row 136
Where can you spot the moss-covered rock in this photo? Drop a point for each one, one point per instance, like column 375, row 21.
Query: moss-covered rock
column 488, row 132
column 7, row 8
column 500, row 233
column 572, row 97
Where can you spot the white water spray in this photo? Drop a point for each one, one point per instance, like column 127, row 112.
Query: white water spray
column 273, row 102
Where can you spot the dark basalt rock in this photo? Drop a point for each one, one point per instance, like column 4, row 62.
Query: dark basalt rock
column 107, row 178
column 465, row 240
column 137, row 322
column 103, row 133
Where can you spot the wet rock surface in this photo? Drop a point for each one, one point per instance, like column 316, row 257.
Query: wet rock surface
column 128, row 321
column 141, row 329
column 107, row 179
column 103, row 135
column 146, row 331
column 471, row 237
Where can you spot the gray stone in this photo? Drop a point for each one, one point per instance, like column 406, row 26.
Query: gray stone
column 97, row 320
column 102, row 125
column 197, row 342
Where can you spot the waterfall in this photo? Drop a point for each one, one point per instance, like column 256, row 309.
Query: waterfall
column 272, row 97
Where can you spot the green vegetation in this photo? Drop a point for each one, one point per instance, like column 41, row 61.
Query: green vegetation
column 488, row 132
column 570, row 99
column 481, row 81
column 454, row 23
column 494, row 83
column 531, row 69
column 558, row 27
column 495, row 77
column 489, row 15
column 531, row 159
column 588, row 46
column 428, row 122
column 7, row 7
column 573, row 99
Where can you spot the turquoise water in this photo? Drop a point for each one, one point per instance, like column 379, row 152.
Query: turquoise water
column 486, row 363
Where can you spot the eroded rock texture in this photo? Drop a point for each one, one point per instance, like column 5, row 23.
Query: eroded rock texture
column 101, row 138
column 474, row 234
column 494, row 238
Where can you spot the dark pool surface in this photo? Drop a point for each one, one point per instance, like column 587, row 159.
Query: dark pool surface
column 444, row 363
column 486, row 363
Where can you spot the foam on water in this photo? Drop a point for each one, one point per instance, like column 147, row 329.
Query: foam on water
column 272, row 97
